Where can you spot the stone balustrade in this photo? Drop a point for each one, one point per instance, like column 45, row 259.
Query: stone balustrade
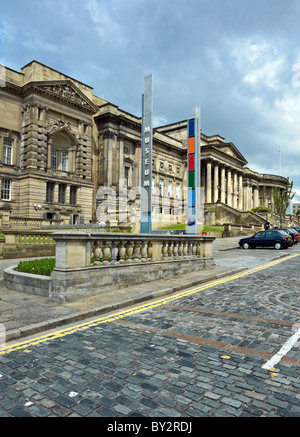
column 93, row 263
column 26, row 243
column 76, row 250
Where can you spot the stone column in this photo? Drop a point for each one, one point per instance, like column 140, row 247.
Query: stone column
column 108, row 138
column 49, row 152
column 250, row 196
column 235, row 190
column 256, row 198
column 246, row 193
column 223, row 184
column 216, row 183
column 241, row 194
column 208, row 182
column 229, row 188
column 121, row 159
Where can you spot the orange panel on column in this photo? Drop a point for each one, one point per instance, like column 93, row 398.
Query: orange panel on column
column 191, row 145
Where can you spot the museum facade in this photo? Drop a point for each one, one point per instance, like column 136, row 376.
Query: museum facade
column 68, row 155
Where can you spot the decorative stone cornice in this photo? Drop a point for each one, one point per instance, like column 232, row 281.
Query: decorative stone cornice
column 33, row 105
column 109, row 135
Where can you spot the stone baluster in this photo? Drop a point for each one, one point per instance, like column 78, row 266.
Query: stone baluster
column 144, row 248
column 180, row 249
column 122, row 252
column 107, row 252
column 114, row 252
column 137, row 251
column 185, row 249
column 165, row 250
column 129, row 251
column 150, row 251
column 175, row 250
column 170, row 249
column 98, row 253
column 198, row 250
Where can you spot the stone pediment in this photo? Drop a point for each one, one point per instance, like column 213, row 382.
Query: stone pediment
column 65, row 91
column 61, row 127
column 230, row 150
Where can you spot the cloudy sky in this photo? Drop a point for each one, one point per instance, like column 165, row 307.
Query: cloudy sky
column 238, row 59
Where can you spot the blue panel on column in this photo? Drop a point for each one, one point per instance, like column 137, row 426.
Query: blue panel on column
column 191, row 198
column 192, row 128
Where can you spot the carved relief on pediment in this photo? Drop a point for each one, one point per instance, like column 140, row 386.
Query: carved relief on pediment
column 58, row 125
column 66, row 92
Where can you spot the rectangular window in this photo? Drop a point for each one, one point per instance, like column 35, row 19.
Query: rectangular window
column 126, row 176
column 54, row 162
column 153, row 185
column 161, row 187
column 73, row 195
column 62, row 193
column 50, row 192
column 169, row 188
column 5, row 189
column 64, row 160
column 7, row 151
column 177, row 191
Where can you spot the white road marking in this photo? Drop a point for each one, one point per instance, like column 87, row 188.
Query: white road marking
column 283, row 351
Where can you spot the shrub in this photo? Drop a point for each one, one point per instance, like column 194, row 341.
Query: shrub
column 259, row 209
column 37, row 266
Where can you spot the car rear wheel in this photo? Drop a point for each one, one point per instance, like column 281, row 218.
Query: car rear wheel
column 246, row 246
column 277, row 246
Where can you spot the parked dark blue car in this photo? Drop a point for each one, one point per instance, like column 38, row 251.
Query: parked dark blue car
column 271, row 238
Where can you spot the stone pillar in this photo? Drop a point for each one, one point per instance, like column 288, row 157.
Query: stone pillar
column 250, row 197
column 256, row 197
column 216, row 183
column 49, row 152
column 235, row 190
column 223, row 184
column 108, row 139
column 72, row 154
column 121, row 159
column 208, row 182
column 229, row 188
column 241, row 194
column 245, row 192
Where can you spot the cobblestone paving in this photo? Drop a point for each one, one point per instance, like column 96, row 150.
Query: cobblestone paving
column 200, row 355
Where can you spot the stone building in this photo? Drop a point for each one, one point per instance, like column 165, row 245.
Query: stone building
column 61, row 147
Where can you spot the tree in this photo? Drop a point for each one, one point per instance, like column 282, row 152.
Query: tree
column 282, row 199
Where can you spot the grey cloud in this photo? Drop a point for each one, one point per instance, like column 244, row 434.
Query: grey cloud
column 199, row 52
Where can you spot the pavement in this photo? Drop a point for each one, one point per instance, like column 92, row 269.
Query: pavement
column 24, row 315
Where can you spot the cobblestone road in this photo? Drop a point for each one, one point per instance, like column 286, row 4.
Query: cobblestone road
column 200, row 353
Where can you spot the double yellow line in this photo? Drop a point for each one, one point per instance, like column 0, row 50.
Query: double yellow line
column 124, row 313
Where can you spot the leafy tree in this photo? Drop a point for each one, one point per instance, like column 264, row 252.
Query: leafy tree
column 282, row 199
